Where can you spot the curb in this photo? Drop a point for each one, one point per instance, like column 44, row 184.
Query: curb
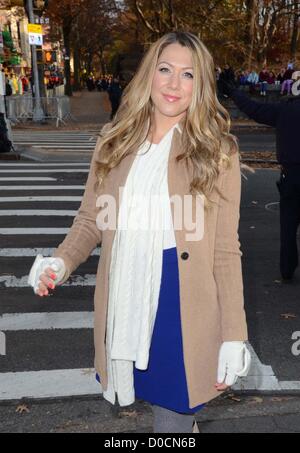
column 10, row 156
column 55, row 155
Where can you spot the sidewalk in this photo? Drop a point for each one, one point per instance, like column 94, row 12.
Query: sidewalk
column 91, row 110
column 226, row 414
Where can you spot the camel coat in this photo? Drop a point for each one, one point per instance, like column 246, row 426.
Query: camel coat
column 210, row 274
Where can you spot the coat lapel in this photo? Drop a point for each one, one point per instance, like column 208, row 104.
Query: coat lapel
column 178, row 180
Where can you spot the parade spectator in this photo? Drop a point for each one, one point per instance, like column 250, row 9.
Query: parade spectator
column 104, row 83
column 218, row 71
column 272, row 78
column 253, row 78
column 252, row 81
column 287, row 80
column 227, row 74
column 8, row 89
column 263, row 79
column 90, row 83
column 115, row 94
column 280, row 76
column 25, row 83
column 99, row 85
column 242, row 77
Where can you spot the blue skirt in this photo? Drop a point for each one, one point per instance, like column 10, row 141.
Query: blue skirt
column 164, row 381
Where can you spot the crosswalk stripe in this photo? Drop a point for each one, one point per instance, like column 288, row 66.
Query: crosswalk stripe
column 67, row 147
column 53, row 187
column 25, row 252
column 11, row 281
column 41, row 198
column 48, row 384
column 56, row 137
column 50, row 134
column 27, row 178
column 43, row 170
column 43, row 383
column 54, row 133
column 42, row 164
column 54, row 140
column 36, row 212
column 75, row 141
column 48, row 320
column 31, row 231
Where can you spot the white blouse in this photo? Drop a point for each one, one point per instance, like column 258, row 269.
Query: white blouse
column 142, row 161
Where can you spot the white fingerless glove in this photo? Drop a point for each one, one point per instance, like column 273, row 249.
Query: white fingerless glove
column 39, row 266
column 234, row 362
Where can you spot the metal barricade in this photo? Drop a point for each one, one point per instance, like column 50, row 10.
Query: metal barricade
column 56, row 91
column 21, row 108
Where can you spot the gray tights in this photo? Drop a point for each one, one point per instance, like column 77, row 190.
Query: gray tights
column 167, row 421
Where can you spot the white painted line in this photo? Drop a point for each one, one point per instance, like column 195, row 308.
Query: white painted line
column 36, row 212
column 68, row 140
column 61, row 138
column 41, row 198
column 70, row 134
column 48, row 384
column 50, row 133
column 45, row 251
column 10, row 281
column 289, row 385
column 50, row 170
column 27, row 178
column 41, row 187
column 46, row 321
column 29, row 231
column 71, row 148
column 52, row 138
column 260, row 376
column 56, row 140
column 60, row 164
column 272, row 206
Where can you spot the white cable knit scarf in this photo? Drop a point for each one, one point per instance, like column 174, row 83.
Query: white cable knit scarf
column 136, row 268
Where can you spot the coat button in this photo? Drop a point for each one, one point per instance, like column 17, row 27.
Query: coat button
column 184, row 255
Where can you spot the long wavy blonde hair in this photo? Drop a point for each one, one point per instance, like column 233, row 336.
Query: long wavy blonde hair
column 206, row 139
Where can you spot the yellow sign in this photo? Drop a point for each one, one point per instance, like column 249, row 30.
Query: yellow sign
column 34, row 28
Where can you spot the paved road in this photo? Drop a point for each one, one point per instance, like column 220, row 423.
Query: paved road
column 256, row 140
column 38, row 203
column 49, row 340
column 266, row 298
column 52, row 145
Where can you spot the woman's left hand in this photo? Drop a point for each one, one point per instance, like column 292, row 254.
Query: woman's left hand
column 234, row 362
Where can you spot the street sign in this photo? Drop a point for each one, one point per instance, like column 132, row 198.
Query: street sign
column 35, row 39
column 35, row 28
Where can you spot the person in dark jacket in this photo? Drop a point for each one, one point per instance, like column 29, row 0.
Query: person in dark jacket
column 287, row 81
column 115, row 94
column 284, row 117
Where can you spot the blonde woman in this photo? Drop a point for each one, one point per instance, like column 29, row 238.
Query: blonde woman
column 162, row 198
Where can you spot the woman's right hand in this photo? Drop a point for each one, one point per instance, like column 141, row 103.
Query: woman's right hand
column 46, row 273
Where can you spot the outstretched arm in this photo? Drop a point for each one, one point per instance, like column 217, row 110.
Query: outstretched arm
column 266, row 113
